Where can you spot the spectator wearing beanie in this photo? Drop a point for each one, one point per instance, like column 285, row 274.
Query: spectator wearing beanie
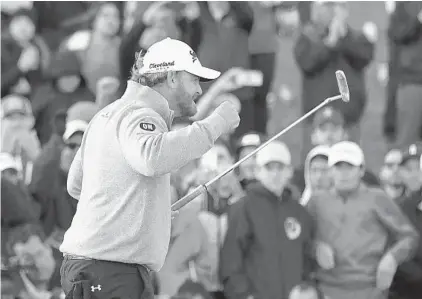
column 64, row 87
column 25, row 56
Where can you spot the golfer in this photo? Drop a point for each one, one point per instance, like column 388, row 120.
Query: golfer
column 121, row 174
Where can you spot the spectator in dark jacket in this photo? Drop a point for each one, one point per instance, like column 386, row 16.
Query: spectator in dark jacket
column 266, row 250
column 24, row 55
column 224, row 44
column 405, row 31
column 325, row 45
column 407, row 281
column 65, row 86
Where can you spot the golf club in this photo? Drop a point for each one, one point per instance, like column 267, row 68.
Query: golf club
column 344, row 95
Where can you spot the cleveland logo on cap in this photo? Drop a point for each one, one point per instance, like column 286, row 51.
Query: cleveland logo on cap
column 162, row 64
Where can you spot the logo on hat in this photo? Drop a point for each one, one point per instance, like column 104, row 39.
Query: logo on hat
column 292, row 228
column 194, row 56
column 161, row 65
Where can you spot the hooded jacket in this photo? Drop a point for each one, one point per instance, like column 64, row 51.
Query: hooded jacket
column 48, row 100
column 307, row 193
column 318, row 63
column 267, row 247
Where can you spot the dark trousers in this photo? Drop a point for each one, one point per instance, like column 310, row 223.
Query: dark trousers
column 264, row 62
column 95, row 279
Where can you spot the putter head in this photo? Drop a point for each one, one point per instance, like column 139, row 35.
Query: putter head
column 342, row 86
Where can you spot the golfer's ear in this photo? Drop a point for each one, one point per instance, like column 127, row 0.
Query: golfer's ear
column 172, row 79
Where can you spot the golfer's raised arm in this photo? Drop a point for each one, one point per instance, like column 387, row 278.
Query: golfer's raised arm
column 152, row 151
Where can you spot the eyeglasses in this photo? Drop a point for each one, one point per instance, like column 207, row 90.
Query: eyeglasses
column 72, row 146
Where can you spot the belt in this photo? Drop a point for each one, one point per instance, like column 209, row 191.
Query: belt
column 76, row 257
column 79, row 257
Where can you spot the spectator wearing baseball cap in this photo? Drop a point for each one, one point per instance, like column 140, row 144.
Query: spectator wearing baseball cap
column 409, row 167
column 390, row 179
column 50, row 172
column 284, row 236
column 245, row 145
column 354, row 225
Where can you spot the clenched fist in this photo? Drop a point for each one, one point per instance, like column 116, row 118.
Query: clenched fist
column 229, row 113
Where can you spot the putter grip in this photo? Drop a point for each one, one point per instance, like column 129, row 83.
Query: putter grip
column 188, row 198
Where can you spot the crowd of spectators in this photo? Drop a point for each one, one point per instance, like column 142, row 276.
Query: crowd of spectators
column 330, row 227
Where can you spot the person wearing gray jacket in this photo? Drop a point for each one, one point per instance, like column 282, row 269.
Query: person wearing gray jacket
column 121, row 174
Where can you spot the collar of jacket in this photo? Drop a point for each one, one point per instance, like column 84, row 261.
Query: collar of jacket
column 151, row 99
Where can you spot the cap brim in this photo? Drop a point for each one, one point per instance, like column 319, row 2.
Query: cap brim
column 205, row 74
column 73, row 127
column 354, row 162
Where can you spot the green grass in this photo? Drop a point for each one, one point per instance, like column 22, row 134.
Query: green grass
column 287, row 73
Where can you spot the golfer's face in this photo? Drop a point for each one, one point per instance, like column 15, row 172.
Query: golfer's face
column 346, row 176
column 189, row 92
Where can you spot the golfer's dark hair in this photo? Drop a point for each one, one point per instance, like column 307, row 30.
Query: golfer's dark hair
column 149, row 80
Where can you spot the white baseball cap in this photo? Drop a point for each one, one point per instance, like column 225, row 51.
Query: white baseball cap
column 276, row 151
column 346, row 151
column 174, row 55
column 73, row 127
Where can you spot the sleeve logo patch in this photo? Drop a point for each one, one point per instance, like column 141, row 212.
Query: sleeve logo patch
column 147, row 127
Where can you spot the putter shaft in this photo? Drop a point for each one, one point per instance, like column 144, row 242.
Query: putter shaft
column 202, row 188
